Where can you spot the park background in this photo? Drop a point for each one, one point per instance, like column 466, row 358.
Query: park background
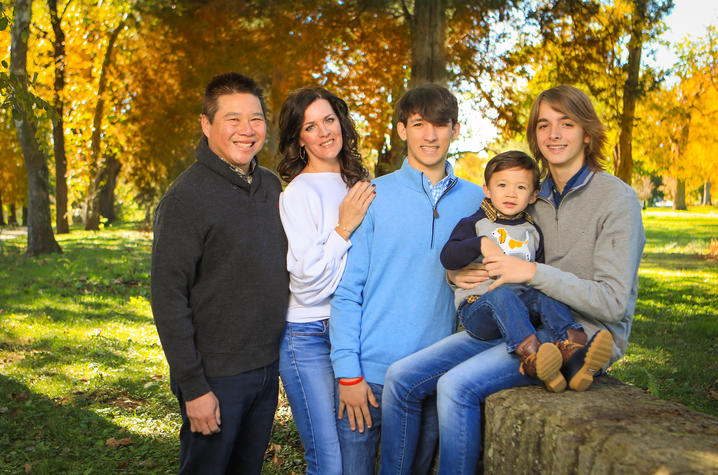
column 101, row 103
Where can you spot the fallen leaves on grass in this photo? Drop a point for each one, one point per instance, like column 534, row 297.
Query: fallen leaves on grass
column 713, row 249
column 126, row 282
column 114, row 443
column 127, row 404
column 20, row 397
column 11, row 358
column 276, row 459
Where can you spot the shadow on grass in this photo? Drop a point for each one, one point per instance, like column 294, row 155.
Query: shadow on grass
column 91, row 309
column 67, row 354
column 675, row 302
column 40, row 435
column 675, row 261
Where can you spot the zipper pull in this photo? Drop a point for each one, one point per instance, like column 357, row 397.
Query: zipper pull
column 436, row 214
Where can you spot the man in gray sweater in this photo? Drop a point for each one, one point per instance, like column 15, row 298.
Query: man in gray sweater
column 220, row 285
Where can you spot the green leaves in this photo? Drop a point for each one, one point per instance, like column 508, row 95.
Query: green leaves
column 24, row 104
column 4, row 21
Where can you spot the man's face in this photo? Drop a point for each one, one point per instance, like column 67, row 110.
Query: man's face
column 427, row 144
column 561, row 140
column 238, row 130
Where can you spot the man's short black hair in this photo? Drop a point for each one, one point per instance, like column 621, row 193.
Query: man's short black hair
column 225, row 84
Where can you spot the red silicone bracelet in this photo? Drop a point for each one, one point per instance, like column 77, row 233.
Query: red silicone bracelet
column 352, row 383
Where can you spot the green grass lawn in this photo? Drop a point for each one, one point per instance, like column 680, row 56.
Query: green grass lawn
column 673, row 350
column 83, row 380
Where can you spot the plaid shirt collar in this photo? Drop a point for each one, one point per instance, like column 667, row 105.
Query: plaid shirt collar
column 246, row 176
column 493, row 214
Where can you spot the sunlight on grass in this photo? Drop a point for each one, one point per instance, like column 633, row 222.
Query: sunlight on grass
column 79, row 345
column 704, row 275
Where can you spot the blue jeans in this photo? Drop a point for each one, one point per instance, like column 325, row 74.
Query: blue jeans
column 462, row 371
column 308, row 379
column 511, row 315
column 247, row 402
column 359, row 450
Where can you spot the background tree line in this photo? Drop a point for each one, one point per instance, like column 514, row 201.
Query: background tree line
column 125, row 81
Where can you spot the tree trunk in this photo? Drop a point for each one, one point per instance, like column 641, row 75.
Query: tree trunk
column 25, row 215
column 107, row 192
column 679, row 195
column 623, row 165
column 428, row 65
column 58, row 135
column 391, row 159
column 2, row 216
column 707, row 200
column 40, row 239
column 270, row 158
column 428, row 31
column 92, row 200
column 12, row 215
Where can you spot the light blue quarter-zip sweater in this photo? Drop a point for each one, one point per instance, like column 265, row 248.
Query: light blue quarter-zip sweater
column 393, row 299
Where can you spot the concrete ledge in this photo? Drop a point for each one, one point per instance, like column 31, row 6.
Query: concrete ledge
column 612, row 428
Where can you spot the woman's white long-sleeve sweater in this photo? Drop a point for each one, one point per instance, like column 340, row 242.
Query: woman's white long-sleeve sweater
column 309, row 208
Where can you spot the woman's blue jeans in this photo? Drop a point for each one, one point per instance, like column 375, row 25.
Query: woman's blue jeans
column 462, row 371
column 308, row 380
column 512, row 314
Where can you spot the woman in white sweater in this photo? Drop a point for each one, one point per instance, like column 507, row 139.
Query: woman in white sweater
column 326, row 199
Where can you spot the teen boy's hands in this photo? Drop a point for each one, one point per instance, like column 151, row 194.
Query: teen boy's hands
column 468, row 277
column 356, row 399
column 509, row 270
column 505, row 269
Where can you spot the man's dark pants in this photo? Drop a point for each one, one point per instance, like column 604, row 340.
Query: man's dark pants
column 247, row 402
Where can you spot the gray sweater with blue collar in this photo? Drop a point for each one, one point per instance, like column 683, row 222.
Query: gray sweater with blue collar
column 593, row 243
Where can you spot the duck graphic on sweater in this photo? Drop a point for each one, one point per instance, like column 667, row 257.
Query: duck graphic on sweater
column 511, row 246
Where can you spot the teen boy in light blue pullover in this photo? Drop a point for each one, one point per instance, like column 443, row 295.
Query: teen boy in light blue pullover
column 393, row 299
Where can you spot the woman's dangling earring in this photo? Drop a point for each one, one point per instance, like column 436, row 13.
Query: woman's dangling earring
column 303, row 154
